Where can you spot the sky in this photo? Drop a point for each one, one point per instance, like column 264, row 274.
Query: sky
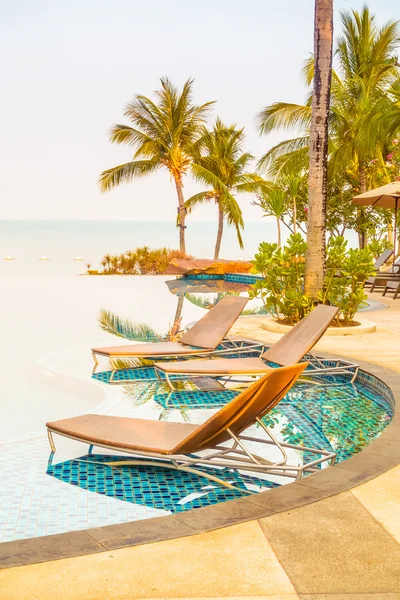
column 70, row 66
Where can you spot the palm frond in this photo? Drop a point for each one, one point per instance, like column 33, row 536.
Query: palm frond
column 285, row 148
column 123, row 134
column 199, row 198
column 125, row 173
column 127, row 329
column 283, row 116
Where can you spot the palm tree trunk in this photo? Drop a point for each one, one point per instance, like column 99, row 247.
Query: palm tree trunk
column 362, row 235
column 220, row 232
column 182, row 214
column 316, row 251
column 278, row 225
column 176, row 325
column 294, row 215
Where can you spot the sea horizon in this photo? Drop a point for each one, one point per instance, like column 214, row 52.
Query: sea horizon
column 63, row 240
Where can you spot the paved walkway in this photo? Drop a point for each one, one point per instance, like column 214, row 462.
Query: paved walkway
column 346, row 547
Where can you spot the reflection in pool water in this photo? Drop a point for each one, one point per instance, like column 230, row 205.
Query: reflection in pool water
column 343, row 417
column 154, row 487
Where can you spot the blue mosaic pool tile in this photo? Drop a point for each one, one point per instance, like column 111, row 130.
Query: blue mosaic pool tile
column 155, row 487
column 194, row 399
column 127, row 375
column 238, row 277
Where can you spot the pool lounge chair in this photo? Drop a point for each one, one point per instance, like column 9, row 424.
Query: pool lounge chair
column 176, row 445
column 392, row 287
column 378, row 281
column 380, row 261
column 291, row 348
column 383, row 258
column 201, row 339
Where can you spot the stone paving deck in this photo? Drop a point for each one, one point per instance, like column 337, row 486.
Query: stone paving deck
column 346, row 547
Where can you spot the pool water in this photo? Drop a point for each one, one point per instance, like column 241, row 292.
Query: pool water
column 44, row 493
column 46, row 375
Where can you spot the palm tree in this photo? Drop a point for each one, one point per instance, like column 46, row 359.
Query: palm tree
column 362, row 108
column 293, row 183
column 162, row 135
column 273, row 202
column 222, row 164
column 317, row 173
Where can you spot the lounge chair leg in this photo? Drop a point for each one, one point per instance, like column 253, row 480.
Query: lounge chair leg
column 96, row 362
column 51, row 441
column 156, row 371
column 169, row 382
column 355, row 375
column 273, row 438
column 113, row 370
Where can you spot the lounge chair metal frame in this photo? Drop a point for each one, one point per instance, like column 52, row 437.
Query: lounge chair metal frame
column 220, row 442
column 236, row 456
column 320, row 369
column 314, row 375
column 293, row 347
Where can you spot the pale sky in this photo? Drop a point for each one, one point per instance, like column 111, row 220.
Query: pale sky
column 70, row 66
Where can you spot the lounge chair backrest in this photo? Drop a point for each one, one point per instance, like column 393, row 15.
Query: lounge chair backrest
column 241, row 412
column 302, row 337
column 384, row 257
column 213, row 327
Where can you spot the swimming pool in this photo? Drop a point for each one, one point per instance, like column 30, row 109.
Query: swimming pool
column 47, row 375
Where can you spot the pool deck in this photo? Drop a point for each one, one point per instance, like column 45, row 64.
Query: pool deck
column 342, row 547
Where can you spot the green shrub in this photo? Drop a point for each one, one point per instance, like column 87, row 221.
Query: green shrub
column 142, row 261
column 346, row 273
column 282, row 286
column 281, row 289
column 376, row 247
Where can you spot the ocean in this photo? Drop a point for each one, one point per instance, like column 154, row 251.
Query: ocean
column 62, row 241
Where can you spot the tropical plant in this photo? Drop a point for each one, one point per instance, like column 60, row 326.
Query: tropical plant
column 377, row 246
column 282, row 287
column 293, row 184
column 221, row 163
column 141, row 261
column 346, row 272
column 273, row 203
column 362, row 118
column 162, row 135
column 140, row 332
column 127, row 329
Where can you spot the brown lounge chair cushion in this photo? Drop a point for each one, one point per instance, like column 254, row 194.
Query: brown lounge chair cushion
column 152, row 349
column 127, row 433
column 218, row 366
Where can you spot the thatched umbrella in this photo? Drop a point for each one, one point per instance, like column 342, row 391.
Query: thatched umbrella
column 386, row 196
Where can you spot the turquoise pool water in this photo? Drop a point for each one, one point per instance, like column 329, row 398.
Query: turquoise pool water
column 46, row 375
